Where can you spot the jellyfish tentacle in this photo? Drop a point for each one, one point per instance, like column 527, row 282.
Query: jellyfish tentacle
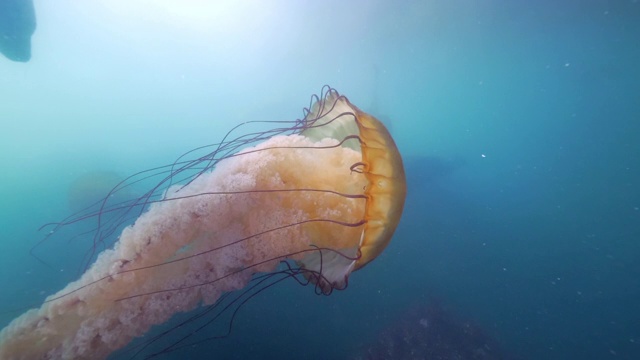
column 252, row 266
column 358, row 167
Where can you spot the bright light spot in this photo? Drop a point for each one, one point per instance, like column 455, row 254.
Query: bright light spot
column 220, row 16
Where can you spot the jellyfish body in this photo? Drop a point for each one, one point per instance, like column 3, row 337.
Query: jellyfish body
column 328, row 197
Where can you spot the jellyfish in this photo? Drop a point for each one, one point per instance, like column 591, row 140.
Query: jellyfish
column 324, row 193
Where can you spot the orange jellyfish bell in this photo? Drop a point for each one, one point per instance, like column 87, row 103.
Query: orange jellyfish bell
column 385, row 188
column 327, row 193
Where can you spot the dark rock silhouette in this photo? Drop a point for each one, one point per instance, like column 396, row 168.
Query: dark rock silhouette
column 430, row 332
column 17, row 24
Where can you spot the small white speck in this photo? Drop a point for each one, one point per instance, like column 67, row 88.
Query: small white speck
column 483, row 155
column 567, row 64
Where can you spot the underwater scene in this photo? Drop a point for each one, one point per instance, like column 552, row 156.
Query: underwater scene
column 283, row 179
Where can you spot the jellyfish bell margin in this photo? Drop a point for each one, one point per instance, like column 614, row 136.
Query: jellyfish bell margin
column 326, row 192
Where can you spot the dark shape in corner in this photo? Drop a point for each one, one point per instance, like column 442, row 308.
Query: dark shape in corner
column 17, row 24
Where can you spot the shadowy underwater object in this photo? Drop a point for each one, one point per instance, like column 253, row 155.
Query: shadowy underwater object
column 431, row 332
column 17, row 24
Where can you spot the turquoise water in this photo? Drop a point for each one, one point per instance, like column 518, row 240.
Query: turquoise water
column 518, row 122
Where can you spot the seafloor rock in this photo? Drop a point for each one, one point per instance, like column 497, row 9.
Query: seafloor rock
column 430, row 332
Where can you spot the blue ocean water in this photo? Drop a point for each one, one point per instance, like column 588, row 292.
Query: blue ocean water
column 518, row 123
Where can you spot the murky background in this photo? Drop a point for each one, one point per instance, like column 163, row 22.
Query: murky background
column 518, row 122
